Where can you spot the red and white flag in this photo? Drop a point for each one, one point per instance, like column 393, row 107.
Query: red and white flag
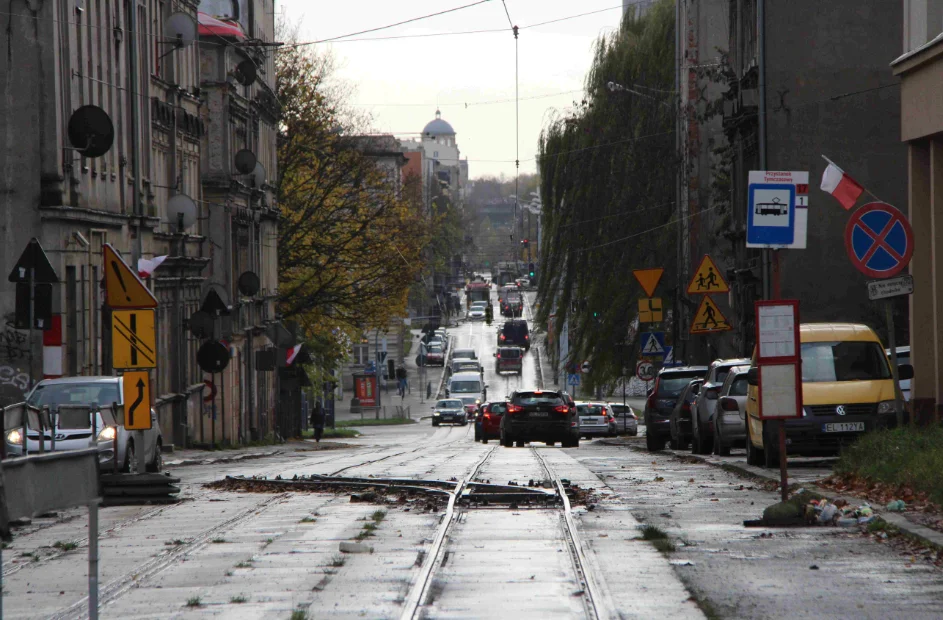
column 292, row 353
column 842, row 187
column 146, row 266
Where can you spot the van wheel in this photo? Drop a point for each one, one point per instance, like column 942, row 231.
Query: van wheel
column 754, row 454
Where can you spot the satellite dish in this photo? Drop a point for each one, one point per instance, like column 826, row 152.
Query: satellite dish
column 246, row 72
column 180, row 28
column 245, row 161
column 91, row 131
column 201, row 324
column 258, row 175
column 249, row 283
column 181, row 211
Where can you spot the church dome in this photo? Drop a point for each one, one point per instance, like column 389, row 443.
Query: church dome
column 438, row 127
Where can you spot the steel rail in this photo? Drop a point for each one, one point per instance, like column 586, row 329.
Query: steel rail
column 434, row 558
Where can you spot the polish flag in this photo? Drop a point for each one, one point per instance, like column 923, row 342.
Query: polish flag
column 836, row 182
column 292, row 353
column 146, row 266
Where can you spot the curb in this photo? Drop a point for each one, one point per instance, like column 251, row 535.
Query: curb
column 922, row 533
column 229, row 459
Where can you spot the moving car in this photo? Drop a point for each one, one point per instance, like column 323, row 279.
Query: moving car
column 73, row 432
column 509, row 359
column 464, row 365
column 470, row 388
column 488, row 421
column 596, row 420
column 540, row 415
column 449, row 411
column 669, row 383
column 435, row 355
column 513, row 305
column 847, row 390
column 730, row 427
column 626, row 418
column 679, row 422
column 477, row 311
column 464, row 354
column 514, row 333
column 702, row 424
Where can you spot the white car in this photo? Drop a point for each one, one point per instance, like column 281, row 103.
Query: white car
column 477, row 311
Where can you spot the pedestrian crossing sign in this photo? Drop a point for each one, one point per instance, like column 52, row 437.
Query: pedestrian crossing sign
column 650, row 310
column 707, row 279
column 709, row 319
column 653, row 344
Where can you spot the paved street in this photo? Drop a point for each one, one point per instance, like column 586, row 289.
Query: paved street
column 267, row 554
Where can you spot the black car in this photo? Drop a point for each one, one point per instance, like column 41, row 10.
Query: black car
column 514, row 333
column 669, row 384
column 680, row 420
column 513, row 305
column 539, row 415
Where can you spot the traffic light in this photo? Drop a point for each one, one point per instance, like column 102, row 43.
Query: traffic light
column 525, row 243
column 531, row 270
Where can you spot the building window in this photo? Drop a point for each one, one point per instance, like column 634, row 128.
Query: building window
column 435, row 153
column 361, row 354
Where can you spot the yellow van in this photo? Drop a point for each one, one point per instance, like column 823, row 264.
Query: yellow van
column 847, row 390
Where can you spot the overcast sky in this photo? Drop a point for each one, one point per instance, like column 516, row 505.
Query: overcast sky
column 401, row 81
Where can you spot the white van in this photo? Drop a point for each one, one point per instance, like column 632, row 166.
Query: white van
column 469, row 387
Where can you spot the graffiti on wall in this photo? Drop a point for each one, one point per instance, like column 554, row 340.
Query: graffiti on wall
column 14, row 364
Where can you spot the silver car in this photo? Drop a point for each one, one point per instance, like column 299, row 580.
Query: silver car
column 596, row 420
column 730, row 416
column 702, row 415
column 73, row 434
column 626, row 418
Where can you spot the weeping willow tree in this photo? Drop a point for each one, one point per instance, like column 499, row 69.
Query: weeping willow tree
column 607, row 170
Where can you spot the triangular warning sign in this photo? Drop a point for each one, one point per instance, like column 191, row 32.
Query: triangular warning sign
column 653, row 346
column 709, row 319
column 123, row 287
column 707, row 279
column 33, row 257
column 648, row 278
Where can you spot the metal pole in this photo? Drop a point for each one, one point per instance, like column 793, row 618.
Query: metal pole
column 891, row 341
column 222, row 392
column 32, row 301
column 783, row 477
column 761, row 138
column 213, row 419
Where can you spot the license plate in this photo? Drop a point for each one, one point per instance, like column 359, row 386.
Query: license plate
column 843, row 427
column 540, row 414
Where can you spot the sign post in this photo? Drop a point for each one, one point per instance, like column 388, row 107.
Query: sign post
column 779, row 358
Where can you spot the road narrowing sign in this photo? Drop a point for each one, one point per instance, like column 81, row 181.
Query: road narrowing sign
column 648, row 279
column 707, row 279
column 137, row 400
column 650, row 310
column 133, row 339
column 709, row 319
column 123, row 287
column 879, row 240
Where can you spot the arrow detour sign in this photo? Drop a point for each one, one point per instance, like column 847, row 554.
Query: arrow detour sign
column 137, row 400
column 133, row 339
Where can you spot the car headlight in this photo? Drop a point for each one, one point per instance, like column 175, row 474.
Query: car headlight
column 477, row 401
column 436, row 413
column 886, row 406
column 15, row 437
column 107, row 434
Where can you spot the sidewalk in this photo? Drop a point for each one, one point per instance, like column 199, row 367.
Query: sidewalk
column 189, row 456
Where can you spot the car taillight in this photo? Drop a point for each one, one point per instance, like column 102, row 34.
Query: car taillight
column 562, row 409
column 728, row 404
column 502, row 337
column 526, row 337
column 686, row 407
column 514, row 408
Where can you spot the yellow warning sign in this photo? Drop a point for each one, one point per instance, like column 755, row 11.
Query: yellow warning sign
column 650, row 310
column 709, row 319
column 123, row 288
column 137, row 400
column 133, row 339
column 648, row 278
column 707, row 279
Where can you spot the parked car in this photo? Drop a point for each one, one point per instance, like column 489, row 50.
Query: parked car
column 540, row 415
column 596, row 420
column 702, row 425
column 470, row 388
column 730, row 427
column 514, row 333
column 679, row 422
column 847, row 391
column 435, row 355
column 669, row 383
column 903, row 357
column 449, row 411
column 626, row 419
column 509, row 359
column 464, row 354
column 488, row 421
column 74, row 434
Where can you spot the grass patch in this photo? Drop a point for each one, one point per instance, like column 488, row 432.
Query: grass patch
column 64, row 545
column 373, row 422
column 909, row 456
column 653, row 532
column 664, row 545
column 228, row 573
column 880, row 525
column 219, row 541
column 238, row 600
column 337, row 560
column 299, row 614
column 363, row 534
column 308, row 520
column 370, row 527
column 244, row 564
column 332, row 433
column 176, row 542
column 378, row 515
column 194, row 601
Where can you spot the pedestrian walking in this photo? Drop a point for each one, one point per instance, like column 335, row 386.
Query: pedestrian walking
column 317, row 421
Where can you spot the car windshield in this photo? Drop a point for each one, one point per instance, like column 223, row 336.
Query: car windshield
column 843, row 361
column 514, row 330
column 590, row 410
column 739, row 386
column 435, row 347
column 722, row 373
column 464, row 354
column 449, row 404
column 54, row 394
column 671, row 384
column 497, row 408
column 479, row 304
column 509, row 353
column 537, row 398
column 465, row 387
column 465, row 366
